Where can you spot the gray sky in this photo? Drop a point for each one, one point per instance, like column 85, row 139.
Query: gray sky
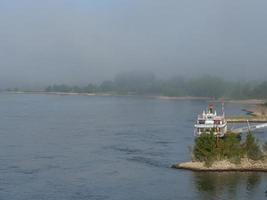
column 80, row 41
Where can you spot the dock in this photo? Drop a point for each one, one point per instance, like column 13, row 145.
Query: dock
column 245, row 119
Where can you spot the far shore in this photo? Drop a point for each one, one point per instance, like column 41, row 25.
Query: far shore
column 245, row 101
column 110, row 94
column 245, row 165
column 55, row 93
column 248, row 101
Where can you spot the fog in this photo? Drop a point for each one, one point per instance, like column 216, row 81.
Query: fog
column 81, row 41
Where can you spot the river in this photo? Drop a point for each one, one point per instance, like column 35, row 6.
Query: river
column 65, row 147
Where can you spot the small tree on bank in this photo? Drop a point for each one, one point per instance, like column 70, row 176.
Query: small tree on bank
column 231, row 148
column 205, row 148
column 252, row 147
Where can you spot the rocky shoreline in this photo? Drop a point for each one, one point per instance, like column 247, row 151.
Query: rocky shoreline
column 224, row 165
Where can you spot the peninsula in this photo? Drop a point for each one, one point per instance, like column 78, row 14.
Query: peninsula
column 226, row 154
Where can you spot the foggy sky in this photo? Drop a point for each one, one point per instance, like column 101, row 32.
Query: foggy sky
column 80, row 41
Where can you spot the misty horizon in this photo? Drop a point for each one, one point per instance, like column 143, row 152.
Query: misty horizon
column 79, row 42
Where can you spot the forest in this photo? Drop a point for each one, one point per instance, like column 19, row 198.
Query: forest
column 177, row 86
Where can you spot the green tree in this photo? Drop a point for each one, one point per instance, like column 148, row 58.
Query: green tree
column 252, row 148
column 231, row 148
column 205, row 148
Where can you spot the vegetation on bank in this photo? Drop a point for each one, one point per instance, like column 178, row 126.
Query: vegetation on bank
column 148, row 84
column 209, row 149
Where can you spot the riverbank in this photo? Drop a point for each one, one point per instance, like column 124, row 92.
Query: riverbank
column 182, row 98
column 111, row 94
column 258, row 110
column 245, row 102
column 225, row 165
column 57, row 93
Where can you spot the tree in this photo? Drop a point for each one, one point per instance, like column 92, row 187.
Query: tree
column 205, row 148
column 206, row 86
column 252, row 148
column 231, row 148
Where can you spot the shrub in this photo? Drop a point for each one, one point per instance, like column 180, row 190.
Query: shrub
column 252, row 148
column 232, row 149
column 264, row 147
column 208, row 150
column 205, row 148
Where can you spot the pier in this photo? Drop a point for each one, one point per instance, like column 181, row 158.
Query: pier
column 245, row 119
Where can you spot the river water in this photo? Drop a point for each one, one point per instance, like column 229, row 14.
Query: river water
column 56, row 147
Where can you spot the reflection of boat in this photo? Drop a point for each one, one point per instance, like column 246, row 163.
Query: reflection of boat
column 209, row 121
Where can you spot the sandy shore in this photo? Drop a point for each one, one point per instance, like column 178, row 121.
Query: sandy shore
column 247, row 101
column 110, row 94
column 62, row 93
column 258, row 110
column 245, row 165
column 250, row 102
column 182, row 98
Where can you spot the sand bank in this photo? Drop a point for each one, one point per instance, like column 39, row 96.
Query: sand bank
column 245, row 165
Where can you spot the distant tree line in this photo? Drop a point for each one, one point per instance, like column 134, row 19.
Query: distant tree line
column 148, row 84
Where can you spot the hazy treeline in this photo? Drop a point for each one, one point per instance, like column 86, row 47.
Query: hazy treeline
column 148, row 84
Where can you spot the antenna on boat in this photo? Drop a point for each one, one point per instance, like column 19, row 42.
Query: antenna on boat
column 223, row 107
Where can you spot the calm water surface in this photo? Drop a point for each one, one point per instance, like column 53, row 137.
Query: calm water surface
column 80, row 147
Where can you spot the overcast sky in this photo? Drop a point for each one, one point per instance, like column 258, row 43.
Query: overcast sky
column 81, row 41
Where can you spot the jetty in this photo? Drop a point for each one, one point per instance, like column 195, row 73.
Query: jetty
column 245, row 119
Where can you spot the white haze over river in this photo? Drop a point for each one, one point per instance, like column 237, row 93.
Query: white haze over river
column 76, row 42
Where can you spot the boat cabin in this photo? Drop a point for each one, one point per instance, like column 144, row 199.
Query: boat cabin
column 209, row 122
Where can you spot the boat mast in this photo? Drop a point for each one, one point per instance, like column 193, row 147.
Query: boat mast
column 223, row 108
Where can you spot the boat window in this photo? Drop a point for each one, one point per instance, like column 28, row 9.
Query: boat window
column 201, row 121
column 217, row 121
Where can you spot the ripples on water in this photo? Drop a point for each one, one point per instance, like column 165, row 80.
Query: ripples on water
column 78, row 147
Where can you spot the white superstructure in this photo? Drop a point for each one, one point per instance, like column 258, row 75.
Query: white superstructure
column 209, row 121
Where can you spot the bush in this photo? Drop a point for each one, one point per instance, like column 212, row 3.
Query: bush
column 205, row 148
column 252, row 148
column 264, row 147
column 231, row 148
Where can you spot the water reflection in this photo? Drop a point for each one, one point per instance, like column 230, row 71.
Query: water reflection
column 228, row 185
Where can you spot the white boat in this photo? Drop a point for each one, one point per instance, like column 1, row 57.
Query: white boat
column 209, row 122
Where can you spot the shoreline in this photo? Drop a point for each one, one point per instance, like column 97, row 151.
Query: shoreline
column 224, row 165
column 247, row 101
column 109, row 94
column 258, row 110
column 162, row 97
